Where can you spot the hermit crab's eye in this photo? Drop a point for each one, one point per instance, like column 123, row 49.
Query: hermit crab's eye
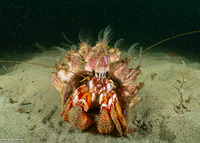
column 93, row 73
column 107, row 74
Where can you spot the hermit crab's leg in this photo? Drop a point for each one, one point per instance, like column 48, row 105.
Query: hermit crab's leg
column 105, row 124
column 116, row 114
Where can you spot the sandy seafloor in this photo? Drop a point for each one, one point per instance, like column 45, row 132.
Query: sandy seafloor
column 34, row 116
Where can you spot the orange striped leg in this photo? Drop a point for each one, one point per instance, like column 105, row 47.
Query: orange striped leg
column 116, row 114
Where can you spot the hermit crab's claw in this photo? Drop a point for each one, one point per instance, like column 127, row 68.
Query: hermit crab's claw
column 78, row 118
column 76, row 107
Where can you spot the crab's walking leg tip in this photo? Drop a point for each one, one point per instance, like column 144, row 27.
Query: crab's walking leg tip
column 114, row 117
column 121, row 118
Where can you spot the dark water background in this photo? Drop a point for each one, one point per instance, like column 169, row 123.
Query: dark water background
column 24, row 22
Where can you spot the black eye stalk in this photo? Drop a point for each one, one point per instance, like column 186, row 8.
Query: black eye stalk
column 93, row 73
column 107, row 74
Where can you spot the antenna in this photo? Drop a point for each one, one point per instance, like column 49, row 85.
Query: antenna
column 167, row 39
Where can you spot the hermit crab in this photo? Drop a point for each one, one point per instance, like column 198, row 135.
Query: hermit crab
column 96, row 77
